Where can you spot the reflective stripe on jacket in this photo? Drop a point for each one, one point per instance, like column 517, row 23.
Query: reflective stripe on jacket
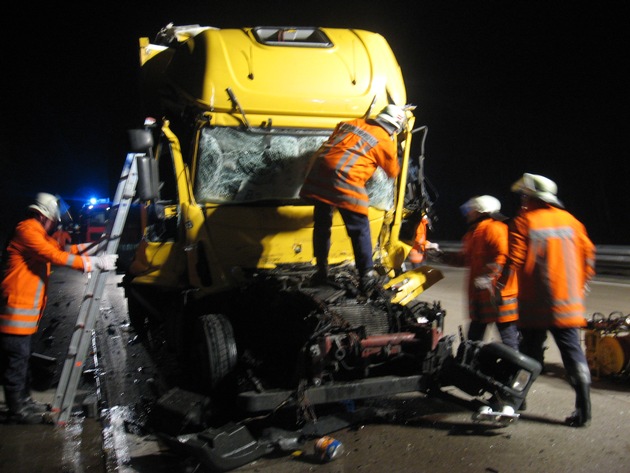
column 485, row 248
column 23, row 289
column 345, row 162
column 554, row 259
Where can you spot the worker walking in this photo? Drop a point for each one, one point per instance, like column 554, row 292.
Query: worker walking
column 26, row 269
column 554, row 259
column 341, row 167
column 484, row 252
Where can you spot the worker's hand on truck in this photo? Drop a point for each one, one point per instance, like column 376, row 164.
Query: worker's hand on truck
column 105, row 262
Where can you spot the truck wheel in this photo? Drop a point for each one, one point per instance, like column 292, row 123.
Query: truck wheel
column 217, row 349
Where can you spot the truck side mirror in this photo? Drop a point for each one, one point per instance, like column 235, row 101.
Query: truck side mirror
column 148, row 183
column 141, row 141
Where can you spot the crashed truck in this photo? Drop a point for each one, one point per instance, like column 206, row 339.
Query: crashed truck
column 223, row 273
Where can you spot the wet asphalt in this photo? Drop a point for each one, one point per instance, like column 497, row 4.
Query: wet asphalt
column 405, row 433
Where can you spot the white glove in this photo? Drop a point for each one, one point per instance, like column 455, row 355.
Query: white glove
column 432, row 246
column 483, row 282
column 105, row 262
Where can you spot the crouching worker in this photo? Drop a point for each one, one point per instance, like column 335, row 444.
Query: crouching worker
column 26, row 267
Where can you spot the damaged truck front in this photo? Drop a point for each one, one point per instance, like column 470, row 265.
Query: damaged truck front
column 222, row 274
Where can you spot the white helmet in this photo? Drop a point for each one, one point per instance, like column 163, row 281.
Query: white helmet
column 484, row 204
column 539, row 187
column 47, row 205
column 392, row 116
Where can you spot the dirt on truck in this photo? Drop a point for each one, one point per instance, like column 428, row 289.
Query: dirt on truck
column 223, row 273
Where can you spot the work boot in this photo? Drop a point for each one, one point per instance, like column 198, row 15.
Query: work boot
column 581, row 381
column 19, row 412
column 34, row 405
column 320, row 278
column 578, row 419
column 581, row 417
column 368, row 283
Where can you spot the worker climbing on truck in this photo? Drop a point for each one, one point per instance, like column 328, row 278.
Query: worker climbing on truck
column 341, row 167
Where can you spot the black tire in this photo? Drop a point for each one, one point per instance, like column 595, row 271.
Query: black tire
column 216, row 348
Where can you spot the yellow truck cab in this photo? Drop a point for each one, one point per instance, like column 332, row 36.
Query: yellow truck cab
column 261, row 101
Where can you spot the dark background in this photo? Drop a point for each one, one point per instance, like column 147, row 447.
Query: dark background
column 504, row 88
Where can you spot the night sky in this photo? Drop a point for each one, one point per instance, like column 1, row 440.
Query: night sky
column 504, row 88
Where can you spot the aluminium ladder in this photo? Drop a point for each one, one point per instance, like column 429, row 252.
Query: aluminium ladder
column 90, row 305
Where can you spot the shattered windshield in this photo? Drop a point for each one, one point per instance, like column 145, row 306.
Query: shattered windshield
column 236, row 165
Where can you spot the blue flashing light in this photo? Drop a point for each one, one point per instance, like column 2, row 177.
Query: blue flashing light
column 94, row 201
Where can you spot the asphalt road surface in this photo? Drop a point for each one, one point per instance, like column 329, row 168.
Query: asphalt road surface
column 405, row 433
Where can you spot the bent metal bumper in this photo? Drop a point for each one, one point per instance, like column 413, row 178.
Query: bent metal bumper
column 251, row 401
column 387, row 385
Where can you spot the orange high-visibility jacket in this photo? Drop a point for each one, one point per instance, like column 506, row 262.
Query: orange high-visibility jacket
column 416, row 254
column 62, row 237
column 485, row 248
column 25, row 280
column 554, row 259
column 344, row 163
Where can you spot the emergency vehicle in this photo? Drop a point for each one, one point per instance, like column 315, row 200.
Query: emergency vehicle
column 93, row 219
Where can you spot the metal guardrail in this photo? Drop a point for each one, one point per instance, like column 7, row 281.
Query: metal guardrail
column 611, row 259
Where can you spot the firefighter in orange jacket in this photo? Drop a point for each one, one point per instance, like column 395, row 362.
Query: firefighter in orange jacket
column 26, row 267
column 341, row 167
column 554, row 260
column 485, row 249
column 418, row 253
